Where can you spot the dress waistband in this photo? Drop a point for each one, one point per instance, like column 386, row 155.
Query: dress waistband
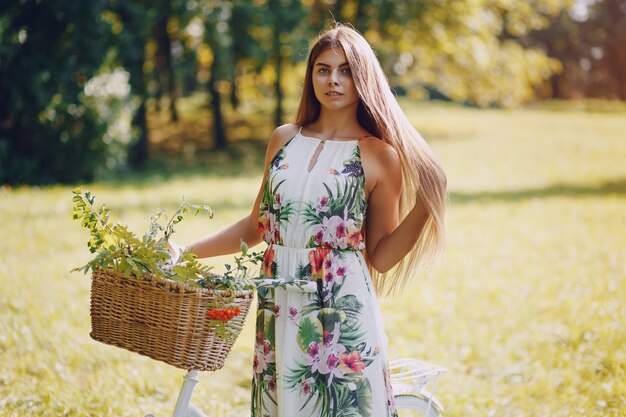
column 291, row 248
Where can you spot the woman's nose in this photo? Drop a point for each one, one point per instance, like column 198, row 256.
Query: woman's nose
column 334, row 78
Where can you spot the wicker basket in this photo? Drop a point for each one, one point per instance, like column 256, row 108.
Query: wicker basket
column 163, row 320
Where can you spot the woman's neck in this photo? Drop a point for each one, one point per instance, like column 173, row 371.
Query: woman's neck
column 337, row 124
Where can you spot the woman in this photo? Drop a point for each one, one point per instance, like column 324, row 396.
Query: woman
column 350, row 191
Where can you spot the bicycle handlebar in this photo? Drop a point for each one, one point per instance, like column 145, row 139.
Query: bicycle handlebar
column 296, row 285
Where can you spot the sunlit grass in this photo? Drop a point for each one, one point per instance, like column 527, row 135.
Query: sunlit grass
column 526, row 311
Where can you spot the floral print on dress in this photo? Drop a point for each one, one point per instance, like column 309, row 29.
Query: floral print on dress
column 264, row 361
column 274, row 209
column 333, row 349
column 336, row 218
column 269, row 269
column 332, row 355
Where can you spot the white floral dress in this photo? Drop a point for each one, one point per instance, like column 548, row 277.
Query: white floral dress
column 322, row 352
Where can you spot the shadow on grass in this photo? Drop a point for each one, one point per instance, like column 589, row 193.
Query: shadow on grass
column 243, row 158
column 170, row 205
column 617, row 187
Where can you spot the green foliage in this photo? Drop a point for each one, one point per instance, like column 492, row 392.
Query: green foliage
column 108, row 96
column 235, row 279
column 117, row 248
column 469, row 51
column 48, row 133
column 53, row 130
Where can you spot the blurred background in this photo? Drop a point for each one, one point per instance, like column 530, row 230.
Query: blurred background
column 104, row 85
column 146, row 102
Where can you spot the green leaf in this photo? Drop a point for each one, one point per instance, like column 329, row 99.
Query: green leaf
column 364, row 397
column 330, row 316
column 311, row 330
column 269, row 328
column 348, row 302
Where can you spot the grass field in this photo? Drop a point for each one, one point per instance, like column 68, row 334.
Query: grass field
column 526, row 311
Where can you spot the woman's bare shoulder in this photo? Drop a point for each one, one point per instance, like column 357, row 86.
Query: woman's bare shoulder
column 285, row 132
column 280, row 136
column 378, row 150
column 381, row 163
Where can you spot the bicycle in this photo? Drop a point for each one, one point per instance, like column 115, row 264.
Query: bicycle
column 410, row 378
column 414, row 381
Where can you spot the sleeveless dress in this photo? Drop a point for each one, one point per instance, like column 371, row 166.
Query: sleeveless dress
column 320, row 347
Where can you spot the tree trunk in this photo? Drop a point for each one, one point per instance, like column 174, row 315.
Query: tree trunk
column 169, row 69
column 158, row 93
column 139, row 152
column 234, row 92
column 316, row 18
column 360, row 18
column 615, row 46
column 337, row 10
column 555, row 86
column 219, row 132
column 164, row 62
column 278, row 61
column 133, row 59
column 555, row 79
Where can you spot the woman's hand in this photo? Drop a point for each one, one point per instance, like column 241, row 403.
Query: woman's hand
column 175, row 251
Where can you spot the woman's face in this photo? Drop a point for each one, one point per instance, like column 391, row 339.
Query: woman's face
column 332, row 80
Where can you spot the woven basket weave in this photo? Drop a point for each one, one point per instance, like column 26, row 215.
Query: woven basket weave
column 163, row 320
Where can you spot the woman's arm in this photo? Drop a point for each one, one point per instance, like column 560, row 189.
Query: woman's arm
column 229, row 240
column 387, row 239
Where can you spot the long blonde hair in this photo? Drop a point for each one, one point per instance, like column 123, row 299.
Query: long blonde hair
column 380, row 114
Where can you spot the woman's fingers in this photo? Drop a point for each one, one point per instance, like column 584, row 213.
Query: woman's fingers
column 175, row 251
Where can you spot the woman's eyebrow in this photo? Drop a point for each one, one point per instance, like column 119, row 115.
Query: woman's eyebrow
column 328, row 66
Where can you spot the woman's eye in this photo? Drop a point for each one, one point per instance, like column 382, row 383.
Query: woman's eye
column 327, row 71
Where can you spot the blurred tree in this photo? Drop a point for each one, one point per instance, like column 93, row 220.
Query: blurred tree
column 48, row 51
column 323, row 13
column 246, row 50
column 506, row 72
column 484, row 52
column 241, row 35
column 184, row 28
column 219, row 38
column 562, row 40
column 164, row 65
column 468, row 50
column 133, row 22
column 590, row 43
column 285, row 17
column 605, row 34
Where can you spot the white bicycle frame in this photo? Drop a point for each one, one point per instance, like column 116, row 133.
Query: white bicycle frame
column 413, row 381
